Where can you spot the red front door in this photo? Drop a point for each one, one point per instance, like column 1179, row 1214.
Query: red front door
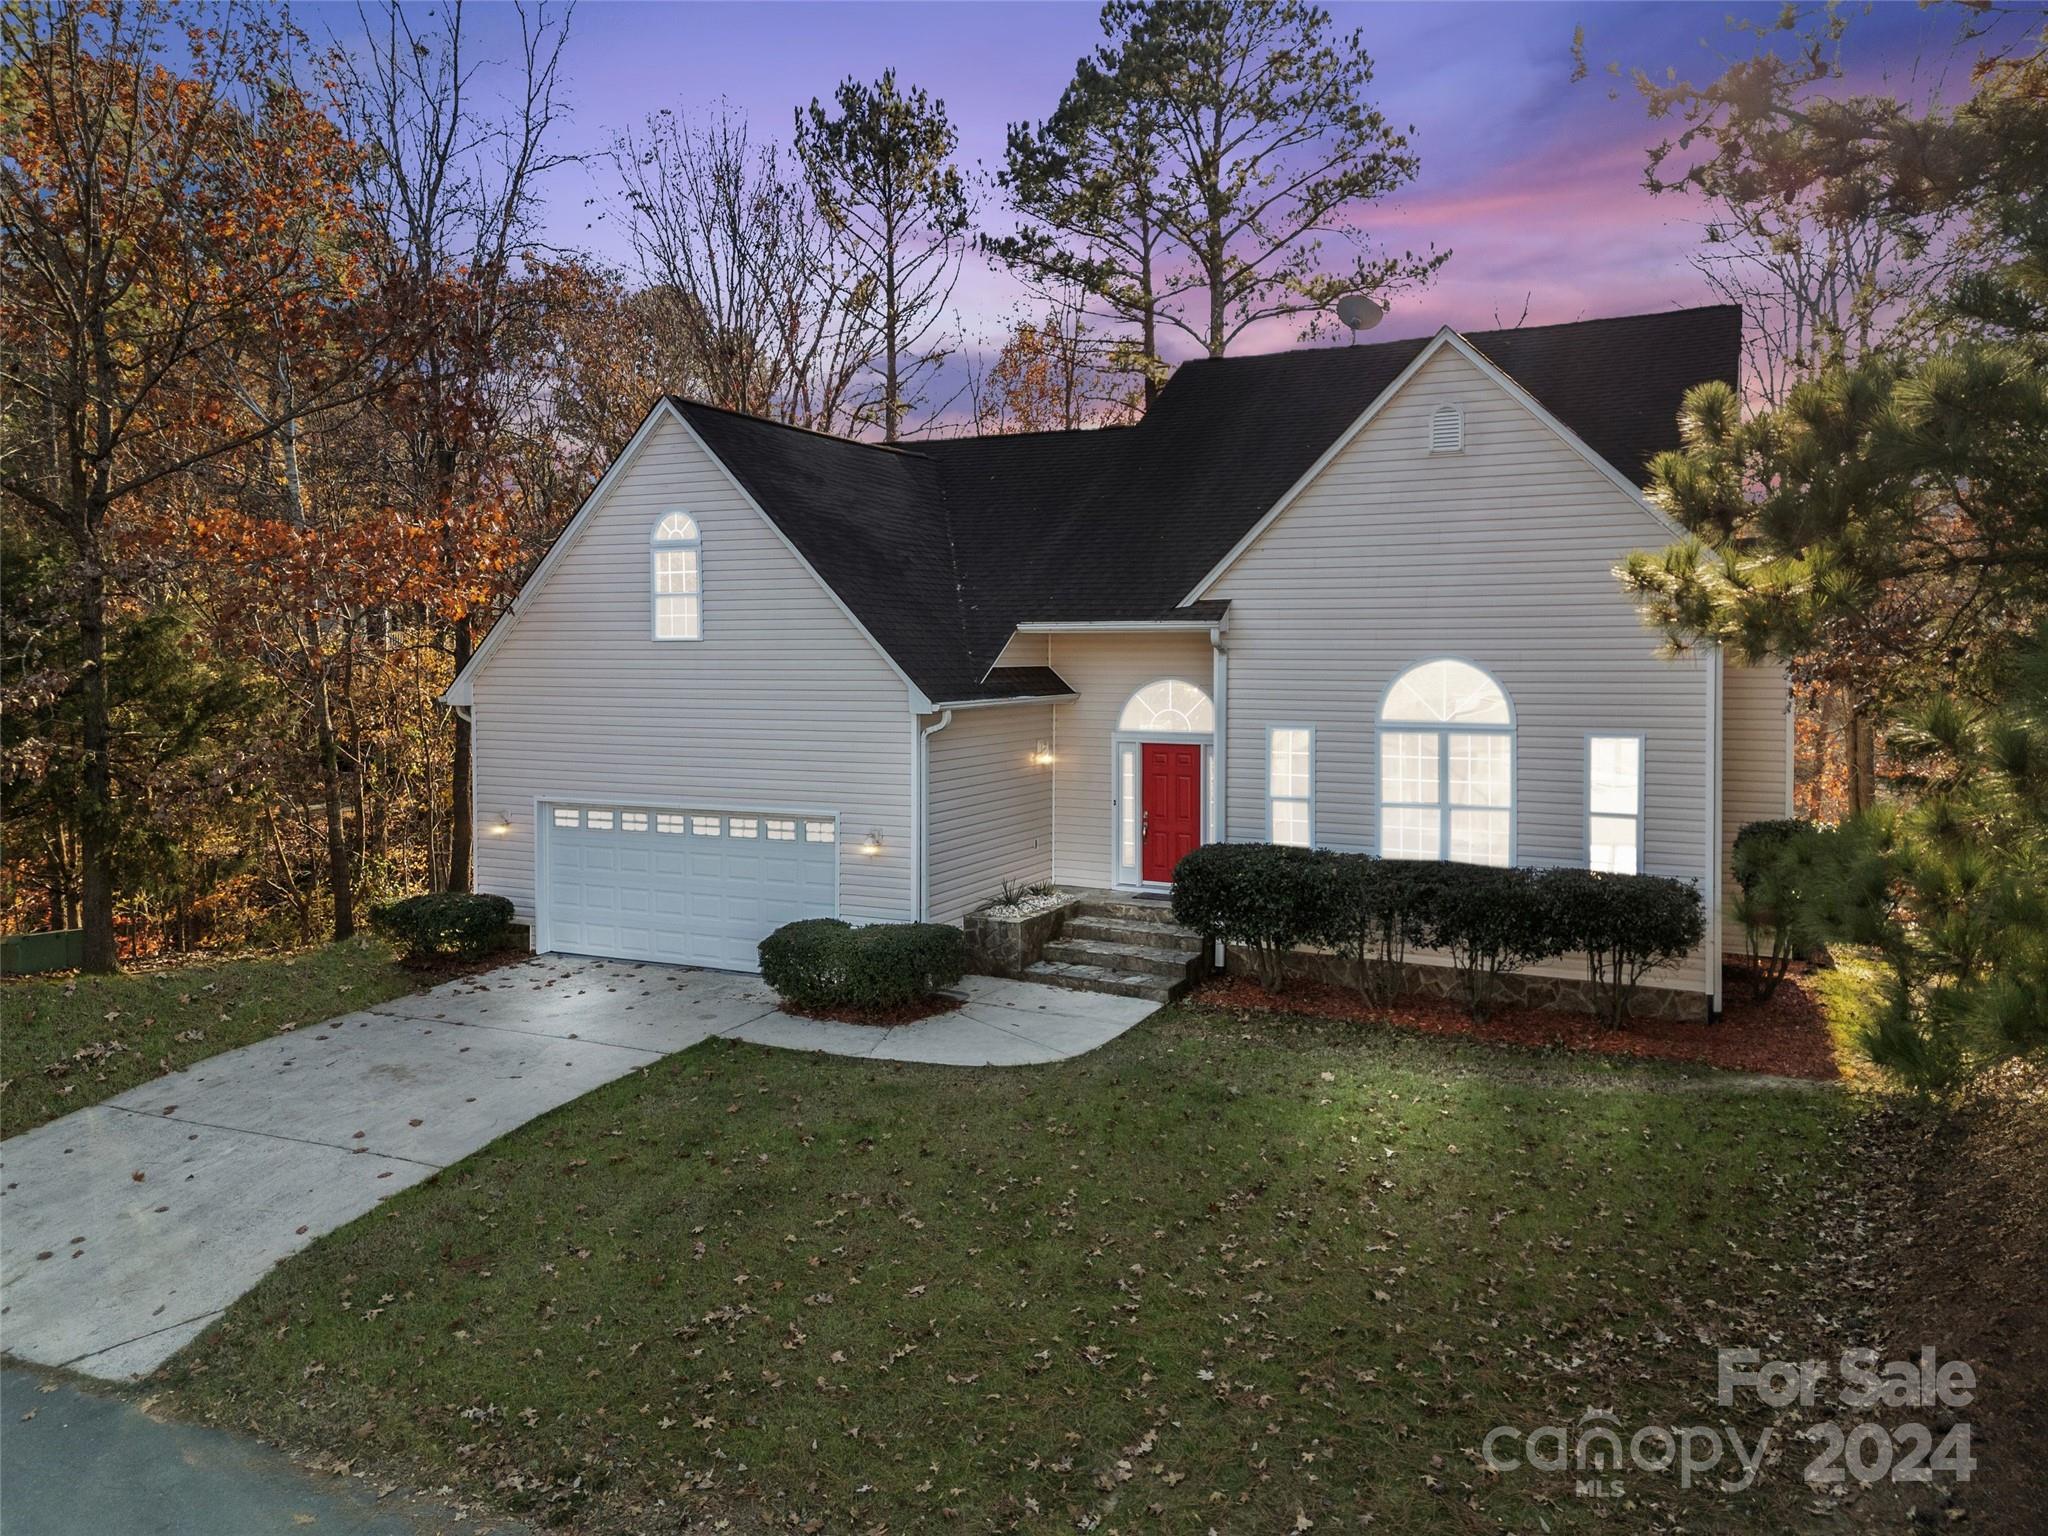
column 1172, row 806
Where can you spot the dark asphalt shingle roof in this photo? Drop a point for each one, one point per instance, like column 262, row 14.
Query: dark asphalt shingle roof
column 941, row 548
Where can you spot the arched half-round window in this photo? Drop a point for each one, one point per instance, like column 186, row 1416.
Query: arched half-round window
column 678, row 578
column 1170, row 707
column 1447, row 766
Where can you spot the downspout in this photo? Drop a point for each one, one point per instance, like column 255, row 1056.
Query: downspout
column 1219, row 694
column 1713, row 801
column 921, row 793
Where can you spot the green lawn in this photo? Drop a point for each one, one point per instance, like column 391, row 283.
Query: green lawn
column 70, row 1041
column 1219, row 1275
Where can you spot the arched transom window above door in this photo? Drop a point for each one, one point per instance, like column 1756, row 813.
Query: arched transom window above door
column 1169, row 707
column 1447, row 766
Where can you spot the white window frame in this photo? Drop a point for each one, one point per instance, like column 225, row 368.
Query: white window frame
column 1306, row 801
column 657, row 547
column 1642, row 778
column 1443, row 731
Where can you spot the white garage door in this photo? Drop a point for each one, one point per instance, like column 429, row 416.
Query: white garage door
column 684, row 887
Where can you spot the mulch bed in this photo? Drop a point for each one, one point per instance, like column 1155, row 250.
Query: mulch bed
column 1785, row 1037
column 884, row 1018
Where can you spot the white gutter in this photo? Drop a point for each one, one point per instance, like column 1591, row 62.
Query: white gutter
column 1024, row 698
column 920, row 873
column 1110, row 626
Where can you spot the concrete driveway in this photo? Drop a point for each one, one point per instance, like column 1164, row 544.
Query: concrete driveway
column 127, row 1227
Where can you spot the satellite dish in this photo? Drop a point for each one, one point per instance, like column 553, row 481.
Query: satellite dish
column 1360, row 312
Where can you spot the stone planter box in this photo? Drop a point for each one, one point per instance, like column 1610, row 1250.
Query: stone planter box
column 1004, row 946
column 1560, row 994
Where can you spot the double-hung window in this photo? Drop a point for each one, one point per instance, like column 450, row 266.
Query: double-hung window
column 678, row 554
column 1447, row 766
column 1614, row 804
column 1291, row 785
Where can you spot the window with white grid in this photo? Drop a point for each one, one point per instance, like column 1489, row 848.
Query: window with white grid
column 678, row 579
column 705, row 826
column 632, row 821
column 665, row 821
column 1290, row 785
column 743, row 826
column 780, row 831
column 1614, row 804
column 820, row 832
column 1447, row 766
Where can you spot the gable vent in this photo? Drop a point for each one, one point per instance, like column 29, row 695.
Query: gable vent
column 1447, row 429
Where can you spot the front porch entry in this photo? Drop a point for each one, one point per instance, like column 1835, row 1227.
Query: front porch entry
column 1164, row 784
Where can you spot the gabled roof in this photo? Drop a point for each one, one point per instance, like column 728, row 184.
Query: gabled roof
column 940, row 549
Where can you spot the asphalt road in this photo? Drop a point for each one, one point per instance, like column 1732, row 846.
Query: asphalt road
column 74, row 1463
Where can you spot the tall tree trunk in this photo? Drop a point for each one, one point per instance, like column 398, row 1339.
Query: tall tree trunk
column 892, row 326
column 96, row 802
column 1861, row 740
column 462, row 808
column 340, row 871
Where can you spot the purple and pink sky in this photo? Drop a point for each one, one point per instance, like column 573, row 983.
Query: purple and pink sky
column 1534, row 182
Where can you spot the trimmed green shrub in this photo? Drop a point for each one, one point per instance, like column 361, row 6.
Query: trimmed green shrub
column 1774, row 863
column 823, row 963
column 458, row 923
column 1262, row 896
column 1626, row 925
column 1373, row 915
column 1492, row 922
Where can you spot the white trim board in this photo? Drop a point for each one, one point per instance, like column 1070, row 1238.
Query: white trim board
column 1100, row 626
column 1446, row 337
column 462, row 692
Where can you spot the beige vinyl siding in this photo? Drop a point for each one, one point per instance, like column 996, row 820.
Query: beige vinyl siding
column 1024, row 651
column 1105, row 670
column 1501, row 555
column 1756, row 766
column 990, row 818
column 783, row 704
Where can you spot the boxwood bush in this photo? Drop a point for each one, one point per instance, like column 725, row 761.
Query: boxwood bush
column 822, row 963
column 457, row 923
column 1262, row 896
column 1625, row 925
column 1375, row 912
column 1490, row 922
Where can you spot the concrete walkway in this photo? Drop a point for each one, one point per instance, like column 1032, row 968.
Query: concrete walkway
column 75, row 1464
column 127, row 1227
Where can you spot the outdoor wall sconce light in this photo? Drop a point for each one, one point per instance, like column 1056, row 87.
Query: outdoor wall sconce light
column 1041, row 754
column 502, row 825
column 873, row 845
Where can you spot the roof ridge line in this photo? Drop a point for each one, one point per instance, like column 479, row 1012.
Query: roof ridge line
column 789, row 426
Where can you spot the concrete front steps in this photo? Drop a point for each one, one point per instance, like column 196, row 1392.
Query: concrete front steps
column 1129, row 947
